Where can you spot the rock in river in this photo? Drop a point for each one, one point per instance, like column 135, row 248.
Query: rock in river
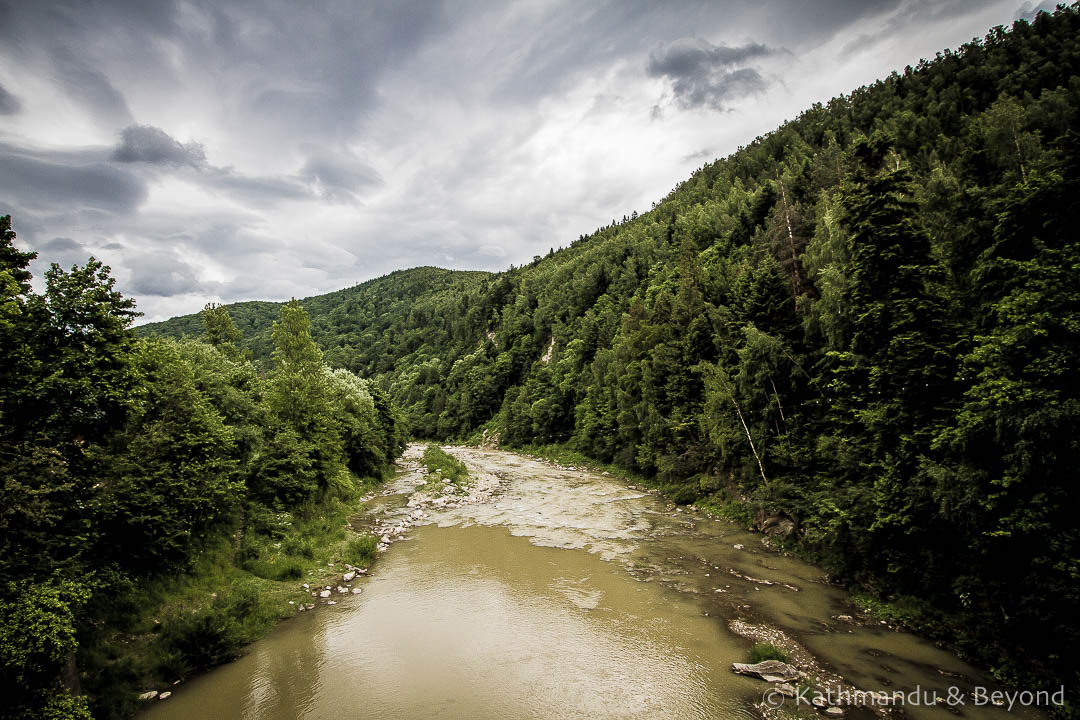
column 770, row 670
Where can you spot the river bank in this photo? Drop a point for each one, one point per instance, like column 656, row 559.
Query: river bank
column 515, row 594
column 164, row 632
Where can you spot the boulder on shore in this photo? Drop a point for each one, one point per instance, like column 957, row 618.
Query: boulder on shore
column 770, row 671
column 779, row 525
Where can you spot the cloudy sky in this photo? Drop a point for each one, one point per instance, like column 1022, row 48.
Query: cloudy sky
column 214, row 151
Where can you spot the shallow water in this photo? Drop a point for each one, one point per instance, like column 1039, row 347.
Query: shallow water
column 567, row 595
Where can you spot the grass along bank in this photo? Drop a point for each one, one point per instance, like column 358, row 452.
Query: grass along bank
column 444, row 472
column 162, row 632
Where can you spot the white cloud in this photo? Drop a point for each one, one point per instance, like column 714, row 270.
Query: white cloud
column 279, row 152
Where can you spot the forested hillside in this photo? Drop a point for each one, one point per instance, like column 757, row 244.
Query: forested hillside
column 866, row 320
column 153, row 490
column 365, row 328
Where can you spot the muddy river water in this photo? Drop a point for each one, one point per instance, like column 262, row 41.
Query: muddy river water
column 554, row 592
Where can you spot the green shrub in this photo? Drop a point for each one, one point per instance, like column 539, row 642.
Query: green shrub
column 722, row 504
column 360, row 550
column 289, row 570
column 449, row 468
column 301, row 546
column 192, row 641
column 766, row 651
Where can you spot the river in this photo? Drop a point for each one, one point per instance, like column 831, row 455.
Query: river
column 554, row 592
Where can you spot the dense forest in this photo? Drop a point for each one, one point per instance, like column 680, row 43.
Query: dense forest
column 865, row 320
column 140, row 474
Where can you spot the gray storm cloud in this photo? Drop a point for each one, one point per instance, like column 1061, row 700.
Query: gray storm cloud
column 339, row 141
column 706, row 75
column 52, row 181
column 338, row 174
column 162, row 274
column 9, row 104
column 63, row 251
column 144, row 143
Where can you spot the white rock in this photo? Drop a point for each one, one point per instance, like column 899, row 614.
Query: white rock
column 305, row 586
column 331, row 602
column 737, row 547
column 164, row 695
column 324, row 594
column 343, row 590
column 347, row 577
column 356, row 591
column 149, row 695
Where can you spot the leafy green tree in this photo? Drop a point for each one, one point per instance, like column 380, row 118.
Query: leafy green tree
column 304, row 449
column 85, row 376
column 12, row 260
column 68, row 382
column 171, row 474
column 37, row 647
column 221, row 332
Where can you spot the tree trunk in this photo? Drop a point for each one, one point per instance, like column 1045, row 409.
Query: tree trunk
column 749, row 438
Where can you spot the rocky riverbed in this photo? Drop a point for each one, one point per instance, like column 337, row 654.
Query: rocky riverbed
column 533, row 589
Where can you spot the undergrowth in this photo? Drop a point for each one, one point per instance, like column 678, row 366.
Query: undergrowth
column 171, row 626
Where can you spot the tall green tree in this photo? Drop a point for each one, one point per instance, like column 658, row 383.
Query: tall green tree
column 306, row 449
column 221, row 332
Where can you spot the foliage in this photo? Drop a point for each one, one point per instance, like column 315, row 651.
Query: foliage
column 222, row 333
column 446, row 466
column 361, row 550
column 37, row 639
column 865, row 320
column 766, row 651
column 127, row 463
column 170, row 475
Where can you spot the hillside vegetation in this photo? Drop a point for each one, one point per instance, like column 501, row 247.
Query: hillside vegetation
column 156, row 493
column 866, row 321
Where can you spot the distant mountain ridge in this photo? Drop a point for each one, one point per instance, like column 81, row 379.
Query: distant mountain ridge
column 370, row 307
